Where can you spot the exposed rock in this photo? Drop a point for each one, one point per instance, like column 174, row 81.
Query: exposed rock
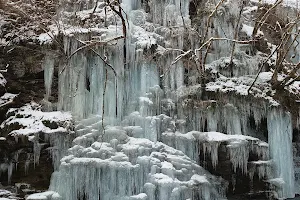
column 32, row 142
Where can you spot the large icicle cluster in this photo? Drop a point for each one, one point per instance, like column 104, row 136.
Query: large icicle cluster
column 280, row 141
column 48, row 78
column 239, row 146
column 116, row 166
column 229, row 113
column 145, row 116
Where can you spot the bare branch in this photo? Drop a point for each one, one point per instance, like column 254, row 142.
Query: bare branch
column 206, row 53
column 106, row 63
column 263, row 19
column 181, row 56
column 96, row 4
column 292, row 73
column 261, row 67
column 89, row 44
column 209, row 18
column 226, row 39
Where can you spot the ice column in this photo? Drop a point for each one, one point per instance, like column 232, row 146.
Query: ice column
column 232, row 118
column 48, row 65
column 48, row 74
column 84, row 86
column 280, row 145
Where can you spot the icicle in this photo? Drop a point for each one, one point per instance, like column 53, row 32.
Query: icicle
column 48, row 66
column 280, row 146
column 251, row 173
column 125, row 170
column 212, row 118
column 59, row 142
column 169, row 13
column 262, row 168
column 3, row 168
column 212, row 149
column 27, row 163
column 16, row 158
column 183, row 142
column 85, row 80
column 239, row 154
column 36, row 152
column 233, row 181
column 233, row 124
column 262, row 150
column 9, row 172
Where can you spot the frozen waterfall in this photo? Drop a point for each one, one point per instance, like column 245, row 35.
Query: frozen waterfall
column 280, row 141
column 145, row 123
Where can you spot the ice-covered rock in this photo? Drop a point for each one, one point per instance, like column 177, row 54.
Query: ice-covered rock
column 27, row 133
column 132, row 167
column 49, row 195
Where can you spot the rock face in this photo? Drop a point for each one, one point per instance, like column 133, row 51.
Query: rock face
column 165, row 100
column 31, row 142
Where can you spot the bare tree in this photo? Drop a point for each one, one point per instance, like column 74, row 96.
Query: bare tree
column 288, row 37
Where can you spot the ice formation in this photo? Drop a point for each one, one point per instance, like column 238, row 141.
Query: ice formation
column 280, row 142
column 239, row 146
column 30, row 124
column 262, row 168
column 144, row 119
column 114, row 165
column 48, row 77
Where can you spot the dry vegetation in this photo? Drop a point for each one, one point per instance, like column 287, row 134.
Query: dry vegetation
column 23, row 20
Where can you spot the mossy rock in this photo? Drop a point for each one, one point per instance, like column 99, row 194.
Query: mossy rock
column 9, row 128
column 50, row 124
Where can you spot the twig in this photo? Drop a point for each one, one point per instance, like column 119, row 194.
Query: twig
column 289, row 76
column 209, row 18
column 206, row 54
column 263, row 19
column 182, row 16
column 294, row 80
column 90, row 44
column 261, row 67
column 106, row 63
column 103, row 101
column 103, row 111
column 180, row 56
column 226, row 39
column 96, row 5
column 289, row 47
